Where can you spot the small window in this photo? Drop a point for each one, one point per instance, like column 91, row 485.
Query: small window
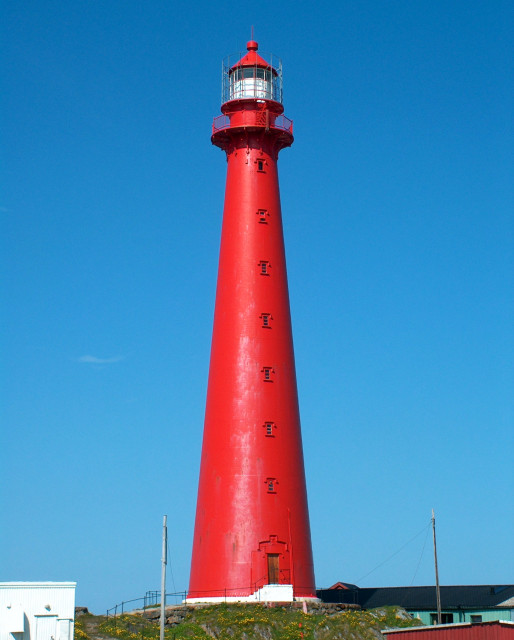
column 266, row 320
column 262, row 216
column 268, row 429
column 260, row 165
column 267, row 371
column 446, row 618
column 265, row 266
column 475, row 619
column 271, row 485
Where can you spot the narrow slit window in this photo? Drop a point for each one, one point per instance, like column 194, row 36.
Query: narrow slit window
column 264, row 267
column 260, row 165
column 266, row 320
column 262, row 216
column 271, row 485
column 267, row 371
column 268, row 428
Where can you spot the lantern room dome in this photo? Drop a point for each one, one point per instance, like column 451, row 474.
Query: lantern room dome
column 253, row 59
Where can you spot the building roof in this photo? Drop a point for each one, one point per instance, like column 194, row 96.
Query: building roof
column 344, row 585
column 252, row 58
column 36, row 585
column 452, row 597
column 455, row 625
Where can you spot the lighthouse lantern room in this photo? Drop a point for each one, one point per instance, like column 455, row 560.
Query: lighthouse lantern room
column 252, row 77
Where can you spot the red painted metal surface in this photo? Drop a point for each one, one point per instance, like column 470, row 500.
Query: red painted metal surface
column 252, row 58
column 248, row 119
column 252, row 521
column 481, row 631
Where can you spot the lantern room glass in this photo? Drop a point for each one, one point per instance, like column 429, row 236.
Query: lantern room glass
column 251, row 82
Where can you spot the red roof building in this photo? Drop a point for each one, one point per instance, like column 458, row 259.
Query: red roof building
column 497, row 630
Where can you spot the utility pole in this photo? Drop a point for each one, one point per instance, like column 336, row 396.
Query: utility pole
column 438, row 593
column 164, row 560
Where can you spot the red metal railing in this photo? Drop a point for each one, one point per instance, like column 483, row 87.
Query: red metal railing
column 223, row 122
column 220, row 122
column 284, row 123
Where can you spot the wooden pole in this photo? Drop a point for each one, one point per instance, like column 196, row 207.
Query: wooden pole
column 438, row 593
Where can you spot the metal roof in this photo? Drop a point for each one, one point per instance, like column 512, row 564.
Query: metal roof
column 452, row 597
column 252, row 58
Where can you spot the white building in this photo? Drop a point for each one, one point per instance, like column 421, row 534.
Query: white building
column 37, row 610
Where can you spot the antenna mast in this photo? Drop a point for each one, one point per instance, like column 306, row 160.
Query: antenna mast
column 438, row 593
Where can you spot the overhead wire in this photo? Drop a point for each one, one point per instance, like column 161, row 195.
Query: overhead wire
column 421, row 556
column 169, row 564
column 395, row 553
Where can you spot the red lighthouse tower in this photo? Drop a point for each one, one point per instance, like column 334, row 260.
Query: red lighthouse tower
column 252, row 536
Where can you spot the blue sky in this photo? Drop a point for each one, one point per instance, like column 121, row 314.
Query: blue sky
column 398, row 202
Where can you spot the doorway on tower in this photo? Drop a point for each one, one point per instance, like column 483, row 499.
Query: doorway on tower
column 271, row 563
column 273, row 568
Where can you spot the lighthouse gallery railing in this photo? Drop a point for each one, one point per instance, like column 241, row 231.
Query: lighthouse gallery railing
column 281, row 122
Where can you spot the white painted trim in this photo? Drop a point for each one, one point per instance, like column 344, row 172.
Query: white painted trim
column 36, row 585
column 267, row 593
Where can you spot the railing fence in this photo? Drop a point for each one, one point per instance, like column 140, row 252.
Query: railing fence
column 151, row 599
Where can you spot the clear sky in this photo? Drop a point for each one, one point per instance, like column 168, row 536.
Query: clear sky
column 398, row 202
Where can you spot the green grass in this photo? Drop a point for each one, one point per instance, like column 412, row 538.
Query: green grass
column 80, row 632
column 248, row 622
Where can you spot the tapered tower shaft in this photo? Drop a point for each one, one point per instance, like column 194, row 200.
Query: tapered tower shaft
column 252, row 525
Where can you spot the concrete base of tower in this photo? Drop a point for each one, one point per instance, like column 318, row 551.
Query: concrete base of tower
column 267, row 593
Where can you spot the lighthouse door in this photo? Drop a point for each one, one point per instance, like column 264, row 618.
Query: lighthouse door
column 273, row 572
column 271, row 563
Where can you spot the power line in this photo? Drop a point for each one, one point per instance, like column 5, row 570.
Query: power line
column 170, row 566
column 419, row 561
column 395, row 553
